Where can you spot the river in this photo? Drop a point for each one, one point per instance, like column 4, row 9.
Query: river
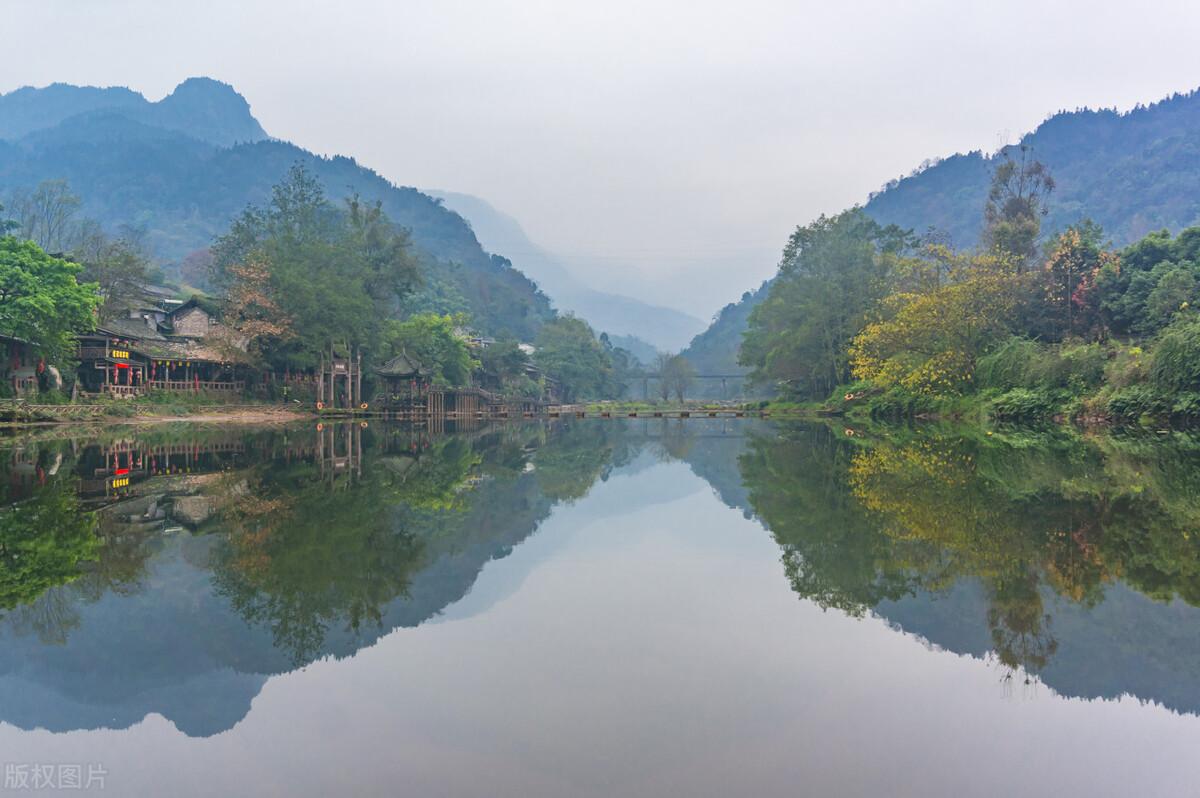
column 598, row 608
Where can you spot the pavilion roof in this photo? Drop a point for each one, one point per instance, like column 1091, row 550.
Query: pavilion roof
column 402, row 365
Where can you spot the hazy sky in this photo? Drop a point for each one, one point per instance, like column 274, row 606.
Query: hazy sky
column 669, row 146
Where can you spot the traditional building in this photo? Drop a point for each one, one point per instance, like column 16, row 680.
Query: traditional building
column 166, row 349
column 22, row 367
column 404, row 384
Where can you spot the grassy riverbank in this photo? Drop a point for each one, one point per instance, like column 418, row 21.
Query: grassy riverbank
column 153, row 408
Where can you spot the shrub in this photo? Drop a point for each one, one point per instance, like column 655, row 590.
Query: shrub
column 1007, row 367
column 1135, row 401
column 1128, row 366
column 1176, row 363
column 901, row 403
column 1023, row 404
column 1187, row 405
column 1077, row 367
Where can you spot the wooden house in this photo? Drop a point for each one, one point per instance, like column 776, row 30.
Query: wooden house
column 158, row 349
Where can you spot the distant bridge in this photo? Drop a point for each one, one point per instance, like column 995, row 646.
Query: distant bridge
column 724, row 378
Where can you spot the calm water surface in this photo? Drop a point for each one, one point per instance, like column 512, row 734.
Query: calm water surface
column 644, row 608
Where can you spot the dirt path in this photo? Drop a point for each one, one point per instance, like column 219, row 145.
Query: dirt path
column 256, row 415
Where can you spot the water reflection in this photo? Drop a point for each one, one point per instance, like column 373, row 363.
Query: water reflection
column 1050, row 552
column 175, row 570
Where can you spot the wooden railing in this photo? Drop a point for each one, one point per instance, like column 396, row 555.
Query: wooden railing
column 93, row 352
column 193, row 385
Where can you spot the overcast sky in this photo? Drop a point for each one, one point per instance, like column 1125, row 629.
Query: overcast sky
column 669, row 146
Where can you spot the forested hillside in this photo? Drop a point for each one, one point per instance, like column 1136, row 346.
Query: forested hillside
column 131, row 166
column 714, row 351
column 1131, row 173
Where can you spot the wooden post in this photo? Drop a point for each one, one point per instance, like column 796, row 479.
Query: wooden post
column 321, row 381
column 358, row 378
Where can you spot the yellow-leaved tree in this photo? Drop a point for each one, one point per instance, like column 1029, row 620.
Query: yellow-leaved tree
column 929, row 335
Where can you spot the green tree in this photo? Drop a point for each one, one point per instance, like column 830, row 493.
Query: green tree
column 43, row 542
column 41, row 300
column 568, row 352
column 435, row 342
column 336, row 274
column 505, row 365
column 833, row 274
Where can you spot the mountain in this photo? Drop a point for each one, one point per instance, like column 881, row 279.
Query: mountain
column 645, row 352
column 662, row 328
column 1131, row 172
column 202, row 108
column 172, row 169
column 714, row 351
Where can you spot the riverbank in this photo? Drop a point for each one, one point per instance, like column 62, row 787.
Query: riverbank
column 18, row 414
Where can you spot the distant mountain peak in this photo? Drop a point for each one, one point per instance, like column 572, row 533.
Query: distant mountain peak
column 200, row 107
column 212, row 110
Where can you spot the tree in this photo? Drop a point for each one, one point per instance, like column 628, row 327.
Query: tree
column 392, row 270
column 675, row 375
column 929, row 342
column 833, row 273
column 252, row 320
column 567, row 351
column 504, row 364
column 435, row 343
column 1016, row 204
column 336, row 274
column 625, row 366
column 662, row 367
column 43, row 541
column 45, row 215
column 41, row 300
column 6, row 225
column 1073, row 261
column 118, row 266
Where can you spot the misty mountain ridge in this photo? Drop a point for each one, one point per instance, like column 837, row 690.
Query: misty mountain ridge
column 201, row 108
column 1131, row 172
column 657, row 327
column 181, row 169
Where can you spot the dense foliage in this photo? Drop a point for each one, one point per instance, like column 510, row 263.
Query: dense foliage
column 434, row 342
column 833, row 274
column 569, row 353
column 40, row 298
column 335, row 275
column 1034, row 327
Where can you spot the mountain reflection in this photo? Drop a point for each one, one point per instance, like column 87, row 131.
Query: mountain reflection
column 174, row 571
column 1023, row 536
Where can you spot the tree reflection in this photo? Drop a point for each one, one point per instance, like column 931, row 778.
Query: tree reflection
column 861, row 520
column 44, row 540
column 301, row 555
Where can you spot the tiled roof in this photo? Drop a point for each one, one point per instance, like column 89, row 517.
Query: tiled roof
column 402, row 365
